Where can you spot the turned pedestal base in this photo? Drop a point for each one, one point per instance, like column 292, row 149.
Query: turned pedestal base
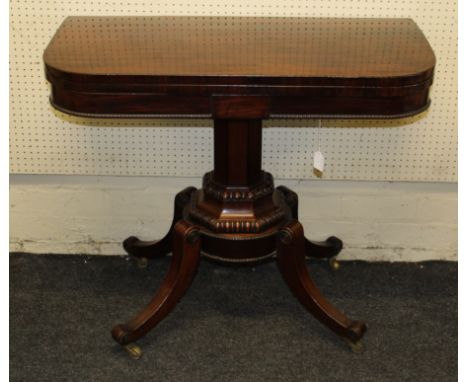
column 238, row 216
column 188, row 239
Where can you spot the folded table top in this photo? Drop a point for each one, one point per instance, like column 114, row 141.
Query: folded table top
column 298, row 67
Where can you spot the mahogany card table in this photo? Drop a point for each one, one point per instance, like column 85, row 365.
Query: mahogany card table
column 238, row 71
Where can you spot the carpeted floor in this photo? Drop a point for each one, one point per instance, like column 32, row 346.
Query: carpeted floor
column 234, row 324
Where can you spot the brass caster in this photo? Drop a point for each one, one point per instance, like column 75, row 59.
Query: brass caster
column 334, row 264
column 133, row 350
column 356, row 347
column 142, row 262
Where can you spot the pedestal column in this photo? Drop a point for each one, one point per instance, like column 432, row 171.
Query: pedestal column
column 237, row 152
column 237, row 197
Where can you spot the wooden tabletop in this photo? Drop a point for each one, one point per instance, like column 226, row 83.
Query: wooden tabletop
column 273, row 56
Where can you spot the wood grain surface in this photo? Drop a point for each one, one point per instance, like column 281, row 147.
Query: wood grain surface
column 180, row 65
column 240, row 46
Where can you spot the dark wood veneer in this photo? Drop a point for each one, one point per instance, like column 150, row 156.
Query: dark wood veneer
column 302, row 66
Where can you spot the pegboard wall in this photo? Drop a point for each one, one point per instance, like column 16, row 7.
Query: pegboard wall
column 45, row 141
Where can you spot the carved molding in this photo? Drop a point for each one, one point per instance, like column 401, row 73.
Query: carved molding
column 224, row 194
column 260, row 224
column 237, row 225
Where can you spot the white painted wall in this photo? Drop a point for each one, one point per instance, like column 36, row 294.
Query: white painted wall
column 393, row 221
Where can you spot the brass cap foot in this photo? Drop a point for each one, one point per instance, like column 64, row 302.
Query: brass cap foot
column 133, row 350
column 142, row 262
column 355, row 346
column 334, row 264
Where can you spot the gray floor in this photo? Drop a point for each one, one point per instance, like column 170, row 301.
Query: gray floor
column 235, row 324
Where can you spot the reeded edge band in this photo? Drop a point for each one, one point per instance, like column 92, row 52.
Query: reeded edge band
column 240, row 260
column 272, row 116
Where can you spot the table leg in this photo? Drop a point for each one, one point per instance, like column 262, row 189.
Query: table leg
column 292, row 265
column 157, row 248
column 323, row 249
column 327, row 249
column 186, row 244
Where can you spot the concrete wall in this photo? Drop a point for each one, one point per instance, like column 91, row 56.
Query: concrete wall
column 91, row 215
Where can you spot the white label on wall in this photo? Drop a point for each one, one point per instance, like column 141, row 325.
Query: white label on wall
column 319, row 161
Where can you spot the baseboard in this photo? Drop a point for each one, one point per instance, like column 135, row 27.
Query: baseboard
column 377, row 221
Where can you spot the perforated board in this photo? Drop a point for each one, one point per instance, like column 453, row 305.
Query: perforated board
column 45, row 141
